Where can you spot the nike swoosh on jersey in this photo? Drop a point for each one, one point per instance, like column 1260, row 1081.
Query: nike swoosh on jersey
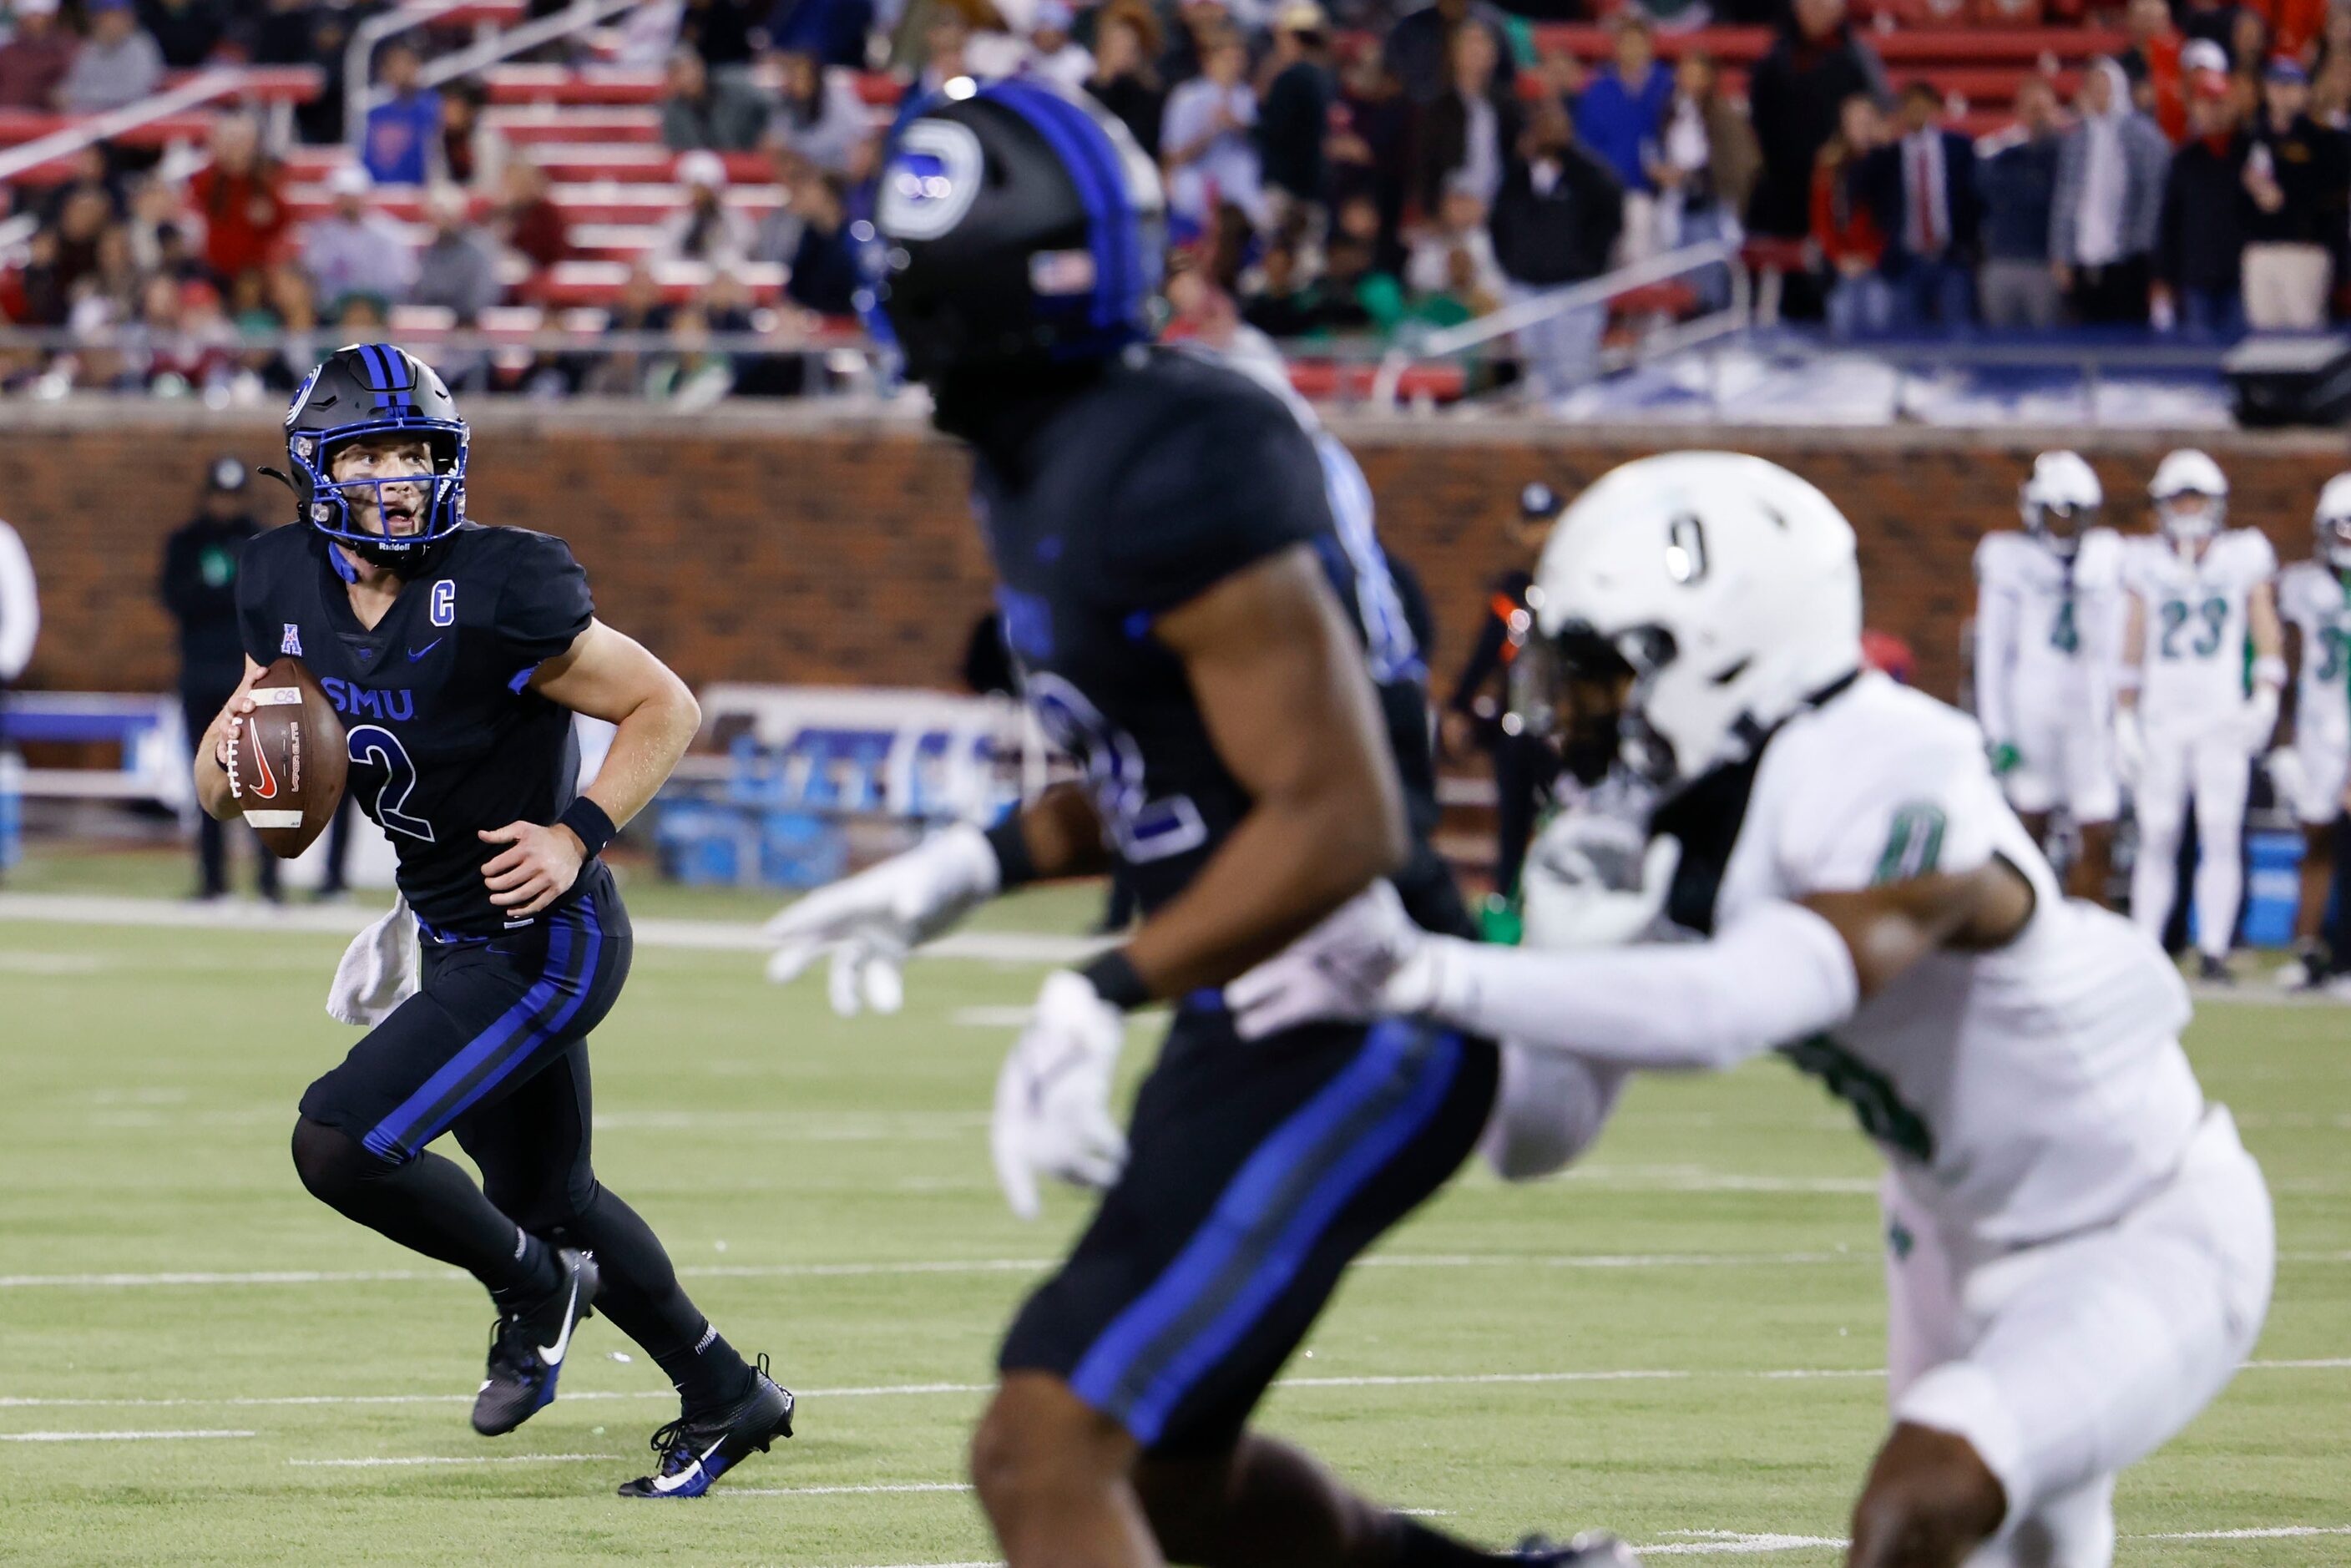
column 671, row 1483
column 416, row 653
column 553, row 1353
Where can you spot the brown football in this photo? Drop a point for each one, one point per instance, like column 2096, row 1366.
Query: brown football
column 285, row 759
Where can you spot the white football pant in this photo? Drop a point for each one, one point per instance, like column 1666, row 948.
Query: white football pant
column 2062, row 1364
column 2211, row 761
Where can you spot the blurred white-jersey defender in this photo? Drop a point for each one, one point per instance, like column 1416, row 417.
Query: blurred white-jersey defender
column 2080, row 1248
column 2203, row 668
column 2313, row 775
column 2047, row 600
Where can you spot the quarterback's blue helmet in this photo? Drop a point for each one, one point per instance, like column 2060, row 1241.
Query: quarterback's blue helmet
column 1018, row 224
column 376, row 389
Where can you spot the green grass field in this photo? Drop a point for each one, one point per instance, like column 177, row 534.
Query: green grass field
column 200, row 1364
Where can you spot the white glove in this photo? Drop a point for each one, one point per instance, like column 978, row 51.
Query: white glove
column 2289, row 779
column 1594, row 882
column 870, row 922
column 2130, row 746
column 1334, row 974
column 378, row 971
column 1052, row 1098
column 2261, row 718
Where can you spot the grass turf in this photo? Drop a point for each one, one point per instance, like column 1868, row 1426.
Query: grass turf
column 1592, row 1350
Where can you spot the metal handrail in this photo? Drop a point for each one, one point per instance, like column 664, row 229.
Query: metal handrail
column 578, row 17
column 224, row 81
column 1449, row 342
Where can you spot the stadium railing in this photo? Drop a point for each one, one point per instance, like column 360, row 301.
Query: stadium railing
column 1645, row 289
column 493, row 45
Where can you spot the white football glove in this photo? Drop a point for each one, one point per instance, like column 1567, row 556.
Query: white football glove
column 1334, row 974
column 1052, row 1098
column 870, row 922
column 2261, row 718
column 2130, row 746
column 2289, row 779
column 1595, row 881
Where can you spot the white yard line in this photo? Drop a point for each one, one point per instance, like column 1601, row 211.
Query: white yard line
column 919, row 1390
column 349, row 919
column 113, row 1436
column 891, row 1487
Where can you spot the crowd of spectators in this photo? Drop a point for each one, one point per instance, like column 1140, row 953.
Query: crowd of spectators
column 1328, row 173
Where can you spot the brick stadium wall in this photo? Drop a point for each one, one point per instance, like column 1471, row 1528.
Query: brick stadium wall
column 751, row 544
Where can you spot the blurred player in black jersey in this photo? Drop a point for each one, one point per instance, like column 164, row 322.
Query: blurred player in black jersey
column 1158, row 525
column 457, row 655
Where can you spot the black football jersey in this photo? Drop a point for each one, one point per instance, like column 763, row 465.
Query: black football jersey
column 1127, row 500
column 446, row 736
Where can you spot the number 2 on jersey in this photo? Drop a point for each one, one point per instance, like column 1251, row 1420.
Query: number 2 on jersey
column 378, row 747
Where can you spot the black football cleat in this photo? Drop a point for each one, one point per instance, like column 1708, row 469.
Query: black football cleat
column 527, row 1348
column 1593, row 1549
column 699, row 1448
column 2213, row 971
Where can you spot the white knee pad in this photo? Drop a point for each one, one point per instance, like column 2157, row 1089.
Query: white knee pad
column 1548, row 1108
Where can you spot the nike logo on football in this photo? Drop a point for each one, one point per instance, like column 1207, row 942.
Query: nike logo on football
column 553, row 1353
column 416, row 653
column 265, row 783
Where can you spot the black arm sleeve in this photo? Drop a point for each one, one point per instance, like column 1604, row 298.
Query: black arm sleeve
column 254, row 627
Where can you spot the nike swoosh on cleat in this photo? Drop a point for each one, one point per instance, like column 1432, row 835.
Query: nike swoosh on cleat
column 416, row 653
column 553, row 1353
column 672, row 1483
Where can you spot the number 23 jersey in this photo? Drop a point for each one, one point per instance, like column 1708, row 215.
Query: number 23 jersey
column 2192, row 662
column 2019, row 1094
column 445, row 735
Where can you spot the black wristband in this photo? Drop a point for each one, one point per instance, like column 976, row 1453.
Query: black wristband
column 1014, row 865
column 1113, row 979
column 587, row 818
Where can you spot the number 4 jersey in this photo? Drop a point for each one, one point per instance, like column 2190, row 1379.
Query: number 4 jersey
column 2193, row 660
column 2020, row 1094
column 446, row 736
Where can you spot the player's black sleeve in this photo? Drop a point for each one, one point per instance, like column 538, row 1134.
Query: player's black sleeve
column 543, row 601
column 1215, row 494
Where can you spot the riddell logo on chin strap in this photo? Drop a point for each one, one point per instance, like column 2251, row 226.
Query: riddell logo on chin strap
column 265, row 782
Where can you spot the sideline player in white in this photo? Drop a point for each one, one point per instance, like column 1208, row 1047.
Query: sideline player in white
column 2045, row 599
column 2188, row 720
column 2080, row 1248
column 2314, row 599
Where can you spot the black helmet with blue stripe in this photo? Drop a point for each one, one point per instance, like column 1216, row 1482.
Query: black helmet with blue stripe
column 374, row 389
column 1020, row 224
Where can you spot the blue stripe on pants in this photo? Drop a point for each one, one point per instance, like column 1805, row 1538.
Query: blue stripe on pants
column 505, row 1044
column 1250, row 1204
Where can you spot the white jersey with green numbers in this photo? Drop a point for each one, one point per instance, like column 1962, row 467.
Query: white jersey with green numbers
column 2043, row 622
column 2020, row 1094
column 2194, row 662
column 2315, row 600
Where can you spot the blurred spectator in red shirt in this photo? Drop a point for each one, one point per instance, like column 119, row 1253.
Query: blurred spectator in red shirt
column 527, row 220
column 1851, row 244
column 2152, row 63
column 236, row 194
column 35, row 61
